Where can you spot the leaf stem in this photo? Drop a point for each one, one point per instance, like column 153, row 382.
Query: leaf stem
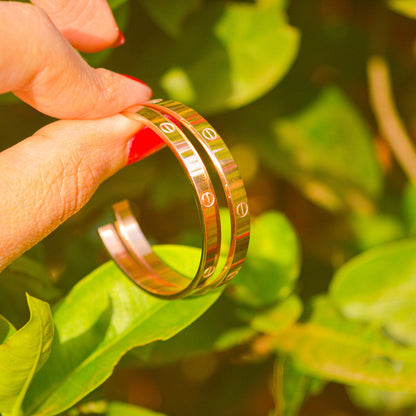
column 387, row 116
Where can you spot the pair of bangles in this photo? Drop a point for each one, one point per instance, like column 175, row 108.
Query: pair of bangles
column 125, row 240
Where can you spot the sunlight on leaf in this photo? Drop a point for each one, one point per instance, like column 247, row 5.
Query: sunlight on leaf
column 234, row 35
column 333, row 348
column 216, row 330
column 23, row 354
column 104, row 316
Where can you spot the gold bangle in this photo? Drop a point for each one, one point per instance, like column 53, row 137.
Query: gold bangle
column 126, row 242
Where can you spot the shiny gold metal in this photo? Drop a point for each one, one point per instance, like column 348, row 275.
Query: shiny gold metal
column 126, row 242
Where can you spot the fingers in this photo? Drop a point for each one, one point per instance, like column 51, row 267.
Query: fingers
column 88, row 25
column 51, row 175
column 47, row 73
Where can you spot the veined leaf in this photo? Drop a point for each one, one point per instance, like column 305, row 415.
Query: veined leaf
column 379, row 286
column 23, row 354
column 333, row 348
column 104, row 316
column 216, row 330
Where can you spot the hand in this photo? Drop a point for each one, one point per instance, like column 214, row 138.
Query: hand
column 48, row 177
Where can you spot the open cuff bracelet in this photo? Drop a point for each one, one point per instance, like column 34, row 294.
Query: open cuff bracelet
column 126, row 242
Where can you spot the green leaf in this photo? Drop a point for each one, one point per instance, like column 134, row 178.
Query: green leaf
column 124, row 409
column 272, row 264
column 332, row 348
column 291, row 388
column 380, row 401
column 23, row 354
column 169, row 15
column 104, row 316
column 379, row 286
column 375, row 229
column 279, row 317
column 247, row 49
column 405, row 7
column 326, row 151
column 217, row 330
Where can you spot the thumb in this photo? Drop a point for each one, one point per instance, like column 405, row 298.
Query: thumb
column 51, row 175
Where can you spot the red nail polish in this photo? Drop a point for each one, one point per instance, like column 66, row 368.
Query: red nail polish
column 120, row 40
column 135, row 79
column 146, row 142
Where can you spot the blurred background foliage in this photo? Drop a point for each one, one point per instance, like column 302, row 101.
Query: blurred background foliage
column 322, row 319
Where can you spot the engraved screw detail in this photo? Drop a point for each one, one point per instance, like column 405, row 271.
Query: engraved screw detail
column 167, row 127
column 207, row 199
column 242, row 209
column 209, row 133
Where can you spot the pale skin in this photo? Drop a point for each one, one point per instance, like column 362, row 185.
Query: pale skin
column 49, row 176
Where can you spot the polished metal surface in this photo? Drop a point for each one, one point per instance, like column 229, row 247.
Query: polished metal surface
column 126, row 242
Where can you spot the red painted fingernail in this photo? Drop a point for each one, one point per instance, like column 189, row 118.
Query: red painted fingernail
column 120, row 40
column 135, row 79
column 146, row 142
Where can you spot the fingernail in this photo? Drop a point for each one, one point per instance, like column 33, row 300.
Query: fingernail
column 120, row 40
column 135, row 79
column 146, row 142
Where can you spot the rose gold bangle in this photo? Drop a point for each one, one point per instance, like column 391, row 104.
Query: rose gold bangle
column 126, row 242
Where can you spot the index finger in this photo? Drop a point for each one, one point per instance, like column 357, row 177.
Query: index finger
column 89, row 25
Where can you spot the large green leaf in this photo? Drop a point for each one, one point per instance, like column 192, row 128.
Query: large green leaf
column 405, row 7
column 326, row 150
column 334, row 348
column 379, row 286
column 216, row 330
column 231, row 54
column 104, row 316
column 272, row 264
column 169, row 15
column 124, row 409
column 23, row 354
